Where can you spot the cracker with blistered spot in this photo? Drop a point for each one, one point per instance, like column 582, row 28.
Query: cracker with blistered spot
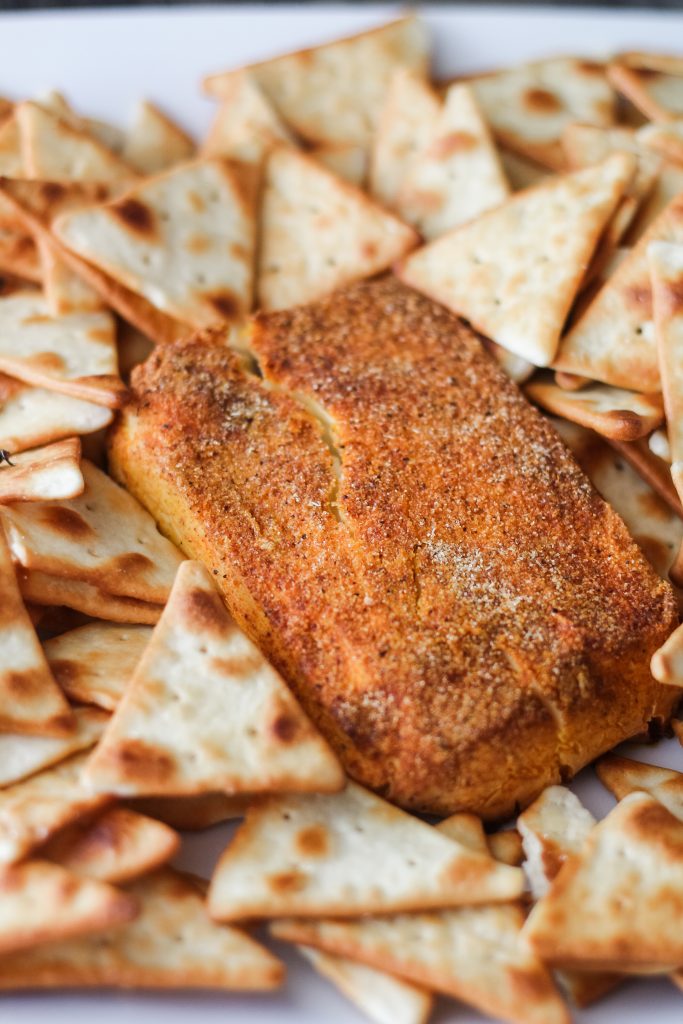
column 334, row 92
column 666, row 273
column 41, row 588
column 529, row 106
column 515, row 270
column 19, row 255
column 94, row 663
column 319, row 233
column 22, row 756
column 657, row 94
column 617, row 904
column 622, row 776
column 612, row 412
column 103, row 537
column 116, row 846
column 204, row 711
column 614, row 339
column 457, row 174
column 30, row 700
column 155, row 142
column 246, row 125
column 34, row 416
column 308, row 856
column 43, row 474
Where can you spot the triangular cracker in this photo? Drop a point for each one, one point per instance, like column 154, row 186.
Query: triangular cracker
column 657, row 94
column 319, row 233
column 614, row 341
column 622, row 776
column 612, row 412
column 116, row 846
column 517, row 368
column 184, row 240
column 519, row 171
column 172, row 944
column 515, row 270
column 334, row 92
column 110, row 135
column 653, row 469
column 246, row 125
column 55, row 150
column 409, row 114
column 11, row 159
column 529, row 106
column 43, row 902
column 666, row 274
column 65, row 291
column 94, row 663
column 43, row 474
column 192, row 813
column 74, row 354
column 155, row 142
column 348, row 161
column 19, row 255
column 22, row 756
column 380, row 997
column 35, row 416
column 665, row 139
column 457, row 175
column 103, row 537
column 310, row 851
column 506, row 846
column 466, row 829
column 43, row 589
column 170, row 734
column 667, row 662
column 30, row 700
column 610, row 905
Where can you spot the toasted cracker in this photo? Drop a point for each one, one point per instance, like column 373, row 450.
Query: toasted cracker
column 647, row 59
column 614, row 340
column 22, row 756
column 667, row 662
column 103, row 537
column 380, row 997
column 184, row 240
column 529, row 106
column 43, row 474
column 116, row 846
column 609, row 411
column 622, row 776
column 553, row 828
column 517, row 368
column 665, row 139
column 41, row 588
column 345, row 159
column 515, row 270
column 506, row 846
column 520, row 172
column 657, row 94
column 654, row 470
column 35, row 416
column 457, row 175
column 43, row 902
column 19, row 255
column 94, row 663
column 407, row 120
column 658, row 443
column 54, row 150
column 611, row 906
column 586, row 144
column 30, row 700
column 334, row 92
column 110, row 135
column 192, row 813
column 465, row 829
column 246, row 125
column 65, row 291
column 170, row 734
column 11, row 159
column 171, row 945
column 155, row 142
column 305, row 855
column 319, row 233
column 666, row 274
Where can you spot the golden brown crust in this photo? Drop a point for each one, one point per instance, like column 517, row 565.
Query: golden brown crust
column 461, row 614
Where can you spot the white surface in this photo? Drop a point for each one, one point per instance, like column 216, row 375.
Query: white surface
column 104, row 61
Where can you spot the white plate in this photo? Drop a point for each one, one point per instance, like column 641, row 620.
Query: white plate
column 104, row 61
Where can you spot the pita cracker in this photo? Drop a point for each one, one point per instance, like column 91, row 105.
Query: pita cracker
column 65, row 291
column 586, row 144
column 380, row 997
column 334, row 92
column 666, row 273
column 42, row 589
column 622, row 776
column 43, row 902
column 319, row 233
column 305, row 854
column 22, row 756
column 407, row 121
column 665, row 139
column 103, row 537
column 184, row 240
column 35, row 416
column 472, row 954
column 554, row 827
column 192, row 813
column 658, row 443
column 506, row 846
column 34, row 809
column 465, row 829
column 11, row 159
column 110, row 135
column 609, row 411
column 347, row 161
column 30, row 700
column 457, row 175
column 610, row 905
column 246, row 125
column 155, row 142
column 656, row 94
column 668, row 186
column 614, row 341
column 667, row 663
column 529, row 106
column 170, row 734
column 54, row 150
column 520, row 172
column 655, row 471
column 172, row 944
column 517, row 369
column 514, row 271
column 116, row 846
column 43, row 474
column 657, row 61
column 94, row 663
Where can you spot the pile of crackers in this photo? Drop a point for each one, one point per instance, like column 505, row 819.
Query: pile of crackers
column 542, row 203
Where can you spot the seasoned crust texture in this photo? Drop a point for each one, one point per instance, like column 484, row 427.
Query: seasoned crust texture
column 409, row 541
